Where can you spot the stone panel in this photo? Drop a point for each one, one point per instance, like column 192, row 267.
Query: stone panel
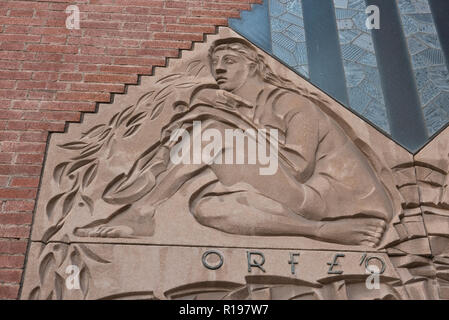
column 112, row 194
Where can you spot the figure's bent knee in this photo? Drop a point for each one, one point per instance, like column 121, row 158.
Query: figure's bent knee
column 206, row 210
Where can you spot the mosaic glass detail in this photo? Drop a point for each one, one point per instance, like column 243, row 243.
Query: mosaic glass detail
column 359, row 61
column 280, row 27
column 287, row 34
column 427, row 58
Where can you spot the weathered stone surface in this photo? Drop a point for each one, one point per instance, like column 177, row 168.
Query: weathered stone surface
column 136, row 223
column 96, row 172
column 158, row 272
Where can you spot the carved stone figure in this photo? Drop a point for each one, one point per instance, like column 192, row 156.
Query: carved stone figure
column 324, row 187
column 225, row 148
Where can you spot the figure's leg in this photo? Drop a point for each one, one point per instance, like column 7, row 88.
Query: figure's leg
column 251, row 213
column 152, row 179
column 246, row 211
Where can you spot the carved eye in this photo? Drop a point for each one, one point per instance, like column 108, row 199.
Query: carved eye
column 229, row 60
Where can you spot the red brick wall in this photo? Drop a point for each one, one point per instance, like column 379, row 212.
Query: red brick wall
column 49, row 75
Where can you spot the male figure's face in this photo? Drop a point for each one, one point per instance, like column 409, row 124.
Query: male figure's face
column 230, row 69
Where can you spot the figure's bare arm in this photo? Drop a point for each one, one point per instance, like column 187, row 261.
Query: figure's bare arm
column 302, row 121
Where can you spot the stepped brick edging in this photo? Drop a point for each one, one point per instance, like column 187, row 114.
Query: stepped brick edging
column 49, row 75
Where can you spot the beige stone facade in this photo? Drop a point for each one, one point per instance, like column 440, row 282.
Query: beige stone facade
column 117, row 216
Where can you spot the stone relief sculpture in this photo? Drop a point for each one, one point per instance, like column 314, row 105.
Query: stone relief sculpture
column 313, row 177
column 324, row 187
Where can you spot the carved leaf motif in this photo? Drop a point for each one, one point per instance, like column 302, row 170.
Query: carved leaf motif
column 185, row 85
column 169, row 78
column 112, row 121
column 104, row 134
column 75, row 257
column 90, row 175
column 139, row 116
column 161, row 95
column 84, row 281
column 89, row 151
column 61, row 251
column 94, row 131
column 157, row 110
column 75, row 145
column 46, row 267
column 110, row 140
column 50, row 232
column 199, row 70
column 35, row 294
column 112, row 148
column 89, row 202
column 195, row 68
column 51, row 205
column 92, row 255
column 125, row 114
column 59, row 171
column 79, row 164
column 68, row 202
column 59, row 286
column 192, row 65
column 145, row 100
column 131, row 130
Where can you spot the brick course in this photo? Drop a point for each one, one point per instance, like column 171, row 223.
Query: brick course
column 49, row 75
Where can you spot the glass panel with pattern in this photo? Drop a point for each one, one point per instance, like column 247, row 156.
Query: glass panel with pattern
column 428, row 62
column 284, row 29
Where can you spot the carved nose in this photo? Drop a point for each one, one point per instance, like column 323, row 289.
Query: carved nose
column 219, row 70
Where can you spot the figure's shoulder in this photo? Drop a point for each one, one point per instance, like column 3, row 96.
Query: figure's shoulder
column 287, row 103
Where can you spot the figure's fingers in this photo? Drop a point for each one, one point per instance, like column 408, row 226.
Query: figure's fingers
column 104, row 231
column 113, row 233
column 94, row 232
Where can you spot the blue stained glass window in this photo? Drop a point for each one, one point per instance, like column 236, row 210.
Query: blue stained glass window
column 288, row 35
column 290, row 31
column 359, row 61
column 427, row 58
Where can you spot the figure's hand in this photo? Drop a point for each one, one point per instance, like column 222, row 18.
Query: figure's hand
column 353, row 231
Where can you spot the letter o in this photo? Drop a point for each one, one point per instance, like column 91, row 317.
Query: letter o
column 382, row 270
column 207, row 265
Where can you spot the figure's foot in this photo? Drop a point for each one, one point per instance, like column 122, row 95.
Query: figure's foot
column 353, row 231
column 137, row 221
column 105, row 231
